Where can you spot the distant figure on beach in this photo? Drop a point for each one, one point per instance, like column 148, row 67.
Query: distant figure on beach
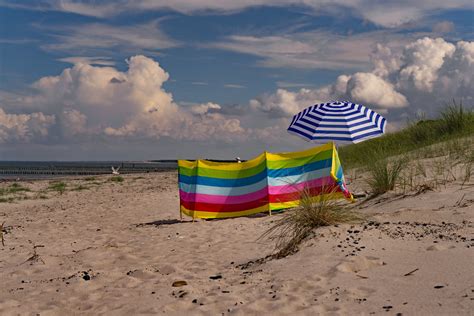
column 115, row 171
column 238, row 160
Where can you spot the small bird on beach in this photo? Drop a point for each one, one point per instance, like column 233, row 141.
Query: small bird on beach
column 238, row 160
column 115, row 171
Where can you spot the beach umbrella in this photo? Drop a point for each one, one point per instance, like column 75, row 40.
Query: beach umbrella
column 340, row 122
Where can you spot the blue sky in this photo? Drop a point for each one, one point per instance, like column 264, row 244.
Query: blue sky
column 255, row 61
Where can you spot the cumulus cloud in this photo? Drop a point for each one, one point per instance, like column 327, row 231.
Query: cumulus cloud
column 24, row 127
column 422, row 60
column 90, row 100
column 369, row 88
column 87, row 101
column 421, row 77
column 204, row 108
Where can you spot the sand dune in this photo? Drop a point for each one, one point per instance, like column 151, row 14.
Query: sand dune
column 118, row 248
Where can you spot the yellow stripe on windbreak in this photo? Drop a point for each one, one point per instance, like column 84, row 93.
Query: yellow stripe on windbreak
column 333, row 166
column 187, row 163
column 299, row 154
column 232, row 165
column 314, row 199
column 201, row 214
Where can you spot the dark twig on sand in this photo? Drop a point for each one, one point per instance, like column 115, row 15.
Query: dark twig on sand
column 411, row 272
column 1, row 234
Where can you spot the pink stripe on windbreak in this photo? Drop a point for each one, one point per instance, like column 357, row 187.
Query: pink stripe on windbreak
column 223, row 199
column 299, row 187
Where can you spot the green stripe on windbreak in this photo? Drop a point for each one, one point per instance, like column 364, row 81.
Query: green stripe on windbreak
column 223, row 174
column 296, row 162
column 232, row 174
column 187, row 171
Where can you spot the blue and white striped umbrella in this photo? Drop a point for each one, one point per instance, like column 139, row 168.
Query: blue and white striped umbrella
column 341, row 122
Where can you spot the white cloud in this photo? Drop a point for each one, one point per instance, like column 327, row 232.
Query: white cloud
column 314, row 49
column 96, row 36
column 422, row 60
column 24, row 127
column 285, row 84
column 234, row 86
column 100, row 61
column 386, row 13
column 73, row 123
column 91, row 100
column 369, row 88
column 421, row 77
column 443, row 27
column 204, row 108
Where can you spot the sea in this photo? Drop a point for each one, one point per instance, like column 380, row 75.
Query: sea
column 54, row 169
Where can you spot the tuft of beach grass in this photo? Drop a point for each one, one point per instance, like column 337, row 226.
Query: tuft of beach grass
column 295, row 225
column 59, row 187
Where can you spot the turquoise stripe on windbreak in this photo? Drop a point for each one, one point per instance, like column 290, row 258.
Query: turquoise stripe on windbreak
column 284, row 172
column 223, row 182
column 307, row 176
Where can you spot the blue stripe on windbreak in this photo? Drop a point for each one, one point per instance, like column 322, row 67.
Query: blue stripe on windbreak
column 307, row 176
column 227, row 191
column 218, row 182
column 339, row 173
column 284, row 172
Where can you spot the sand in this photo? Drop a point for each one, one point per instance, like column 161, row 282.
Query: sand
column 118, row 248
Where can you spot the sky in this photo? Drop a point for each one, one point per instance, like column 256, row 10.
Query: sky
column 144, row 79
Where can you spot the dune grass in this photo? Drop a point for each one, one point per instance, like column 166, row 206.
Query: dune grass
column 455, row 122
column 59, row 187
column 384, row 175
column 297, row 224
column 13, row 188
column 117, row 179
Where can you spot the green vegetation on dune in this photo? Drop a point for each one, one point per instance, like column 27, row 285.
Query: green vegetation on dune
column 58, row 186
column 116, row 179
column 13, row 188
column 455, row 122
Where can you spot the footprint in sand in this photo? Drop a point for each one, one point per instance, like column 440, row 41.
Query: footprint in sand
column 439, row 247
column 359, row 263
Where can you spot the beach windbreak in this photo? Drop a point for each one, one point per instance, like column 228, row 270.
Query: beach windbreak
column 266, row 183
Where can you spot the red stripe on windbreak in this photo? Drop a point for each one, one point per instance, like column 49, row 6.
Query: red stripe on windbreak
column 208, row 207
column 287, row 197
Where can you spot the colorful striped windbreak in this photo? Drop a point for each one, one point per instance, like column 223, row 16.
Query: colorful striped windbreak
column 263, row 184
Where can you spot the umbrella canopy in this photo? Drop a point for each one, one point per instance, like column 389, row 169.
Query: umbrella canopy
column 341, row 122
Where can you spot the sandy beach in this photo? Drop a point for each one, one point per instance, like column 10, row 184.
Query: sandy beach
column 117, row 248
